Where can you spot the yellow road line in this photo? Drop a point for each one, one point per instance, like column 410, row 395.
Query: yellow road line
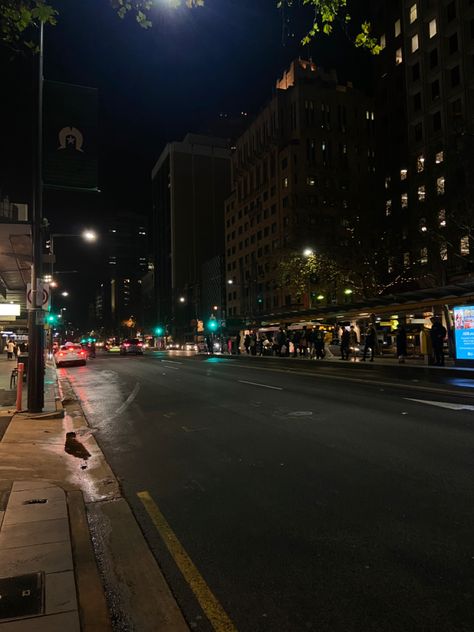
column 208, row 602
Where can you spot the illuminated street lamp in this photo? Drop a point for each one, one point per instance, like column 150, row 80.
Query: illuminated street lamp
column 64, row 293
column 308, row 252
column 320, row 297
column 182, row 299
column 89, row 235
column 348, row 292
column 230, row 282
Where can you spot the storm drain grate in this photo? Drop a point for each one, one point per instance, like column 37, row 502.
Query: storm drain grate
column 21, row 596
column 35, row 501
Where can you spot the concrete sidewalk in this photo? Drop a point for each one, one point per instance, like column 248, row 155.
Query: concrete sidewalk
column 56, row 489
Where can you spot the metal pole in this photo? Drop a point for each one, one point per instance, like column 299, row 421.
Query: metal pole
column 35, row 320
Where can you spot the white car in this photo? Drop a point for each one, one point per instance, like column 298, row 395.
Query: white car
column 70, row 353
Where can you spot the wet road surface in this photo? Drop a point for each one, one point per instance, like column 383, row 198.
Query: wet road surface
column 304, row 502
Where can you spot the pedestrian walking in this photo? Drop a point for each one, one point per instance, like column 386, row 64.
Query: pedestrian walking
column 353, row 340
column 10, row 349
column 345, row 342
column 247, row 344
column 369, row 341
column 303, row 343
column 296, row 342
column 282, row 343
column 401, row 341
column 253, row 345
column 319, row 344
column 438, row 335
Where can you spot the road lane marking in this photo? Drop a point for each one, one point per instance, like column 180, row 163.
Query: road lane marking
column 275, row 388
column 129, row 400
column 332, row 376
column 208, row 602
column 172, row 361
column 442, row 404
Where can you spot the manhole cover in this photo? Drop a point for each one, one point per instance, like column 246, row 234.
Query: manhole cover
column 21, row 596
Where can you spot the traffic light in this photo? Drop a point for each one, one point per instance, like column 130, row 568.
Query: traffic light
column 159, row 331
column 212, row 324
column 52, row 319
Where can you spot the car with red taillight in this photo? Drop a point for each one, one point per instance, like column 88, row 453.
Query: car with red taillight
column 131, row 345
column 70, row 354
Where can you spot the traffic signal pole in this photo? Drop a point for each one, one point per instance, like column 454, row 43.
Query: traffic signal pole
column 35, row 315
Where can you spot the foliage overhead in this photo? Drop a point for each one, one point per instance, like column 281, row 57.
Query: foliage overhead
column 17, row 16
column 331, row 13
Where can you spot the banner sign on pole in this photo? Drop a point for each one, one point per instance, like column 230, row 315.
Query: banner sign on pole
column 70, row 136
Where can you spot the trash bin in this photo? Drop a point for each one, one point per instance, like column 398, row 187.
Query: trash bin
column 23, row 357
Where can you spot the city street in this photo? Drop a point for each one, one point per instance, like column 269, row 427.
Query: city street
column 304, row 501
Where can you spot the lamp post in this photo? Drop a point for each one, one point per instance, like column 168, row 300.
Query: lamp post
column 35, row 314
column 308, row 253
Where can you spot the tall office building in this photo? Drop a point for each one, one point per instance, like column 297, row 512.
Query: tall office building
column 425, row 108
column 190, row 183
column 303, row 176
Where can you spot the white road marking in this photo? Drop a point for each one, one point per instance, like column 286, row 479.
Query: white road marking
column 442, row 404
column 275, row 388
column 171, row 361
column 171, row 368
column 129, row 400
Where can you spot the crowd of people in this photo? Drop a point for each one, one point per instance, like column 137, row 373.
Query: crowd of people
column 316, row 342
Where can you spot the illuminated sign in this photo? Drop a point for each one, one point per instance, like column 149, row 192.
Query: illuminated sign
column 464, row 332
column 9, row 309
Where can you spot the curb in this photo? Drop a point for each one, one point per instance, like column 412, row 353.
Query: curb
column 93, row 610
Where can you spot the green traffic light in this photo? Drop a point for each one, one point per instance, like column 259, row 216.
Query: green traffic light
column 212, row 325
column 159, row 331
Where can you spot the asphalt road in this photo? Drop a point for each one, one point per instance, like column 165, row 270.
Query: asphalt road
column 305, row 501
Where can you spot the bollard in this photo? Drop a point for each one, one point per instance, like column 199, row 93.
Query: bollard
column 19, row 386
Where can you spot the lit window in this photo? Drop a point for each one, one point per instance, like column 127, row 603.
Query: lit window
column 413, row 13
column 420, row 164
column 464, row 245
column 423, row 226
column 406, row 259
column 388, row 207
column 391, row 264
column 439, row 157
column 415, row 44
column 440, row 185
column 403, row 174
column 424, row 256
column 372, row 116
column 442, row 217
column 311, row 181
column 367, row 115
column 285, row 183
column 404, row 200
column 422, row 193
column 387, row 181
column 398, row 28
column 383, row 41
column 433, row 27
column 443, row 251
column 398, row 56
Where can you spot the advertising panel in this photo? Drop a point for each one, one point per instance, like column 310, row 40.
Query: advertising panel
column 464, row 332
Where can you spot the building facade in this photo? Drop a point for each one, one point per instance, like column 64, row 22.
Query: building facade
column 425, row 108
column 303, row 177
column 190, row 183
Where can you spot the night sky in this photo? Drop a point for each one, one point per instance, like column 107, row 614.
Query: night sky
column 154, row 86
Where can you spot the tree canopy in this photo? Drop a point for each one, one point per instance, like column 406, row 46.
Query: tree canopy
column 17, row 16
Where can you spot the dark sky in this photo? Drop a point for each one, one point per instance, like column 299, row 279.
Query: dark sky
column 154, row 86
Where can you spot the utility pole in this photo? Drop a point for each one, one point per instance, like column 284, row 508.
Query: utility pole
column 35, row 315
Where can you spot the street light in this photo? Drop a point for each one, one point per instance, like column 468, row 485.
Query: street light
column 308, row 252
column 230, row 282
column 64, row 293
column 89, row 235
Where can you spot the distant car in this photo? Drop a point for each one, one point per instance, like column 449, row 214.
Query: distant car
column 173, row 345
column 112, row 348
column 190, row 346
column 70, row 353
column 131, row 345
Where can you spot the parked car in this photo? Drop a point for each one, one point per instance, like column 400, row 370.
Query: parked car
column 70, row 353
column 131, row 345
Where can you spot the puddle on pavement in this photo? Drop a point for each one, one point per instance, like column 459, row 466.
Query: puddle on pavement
column 75, row 448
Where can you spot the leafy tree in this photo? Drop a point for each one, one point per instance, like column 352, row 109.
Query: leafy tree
column 331, row 13
column 17, row 16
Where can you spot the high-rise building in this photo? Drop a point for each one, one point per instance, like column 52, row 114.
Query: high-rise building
column 190, row 183
column 118, row 298
column 425, row 112
column 303, row 177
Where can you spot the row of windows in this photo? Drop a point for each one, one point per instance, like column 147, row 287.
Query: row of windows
column 423, row 257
